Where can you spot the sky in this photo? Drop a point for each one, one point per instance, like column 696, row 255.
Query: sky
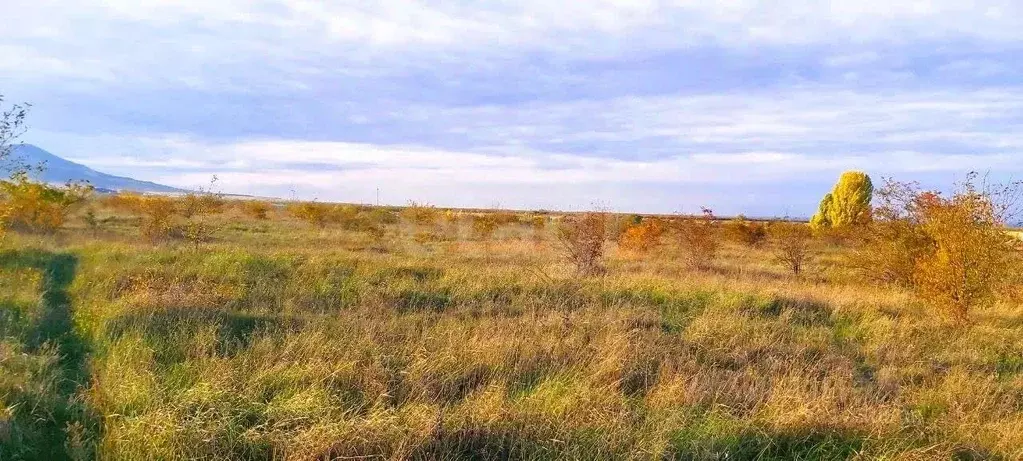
column 742, row 106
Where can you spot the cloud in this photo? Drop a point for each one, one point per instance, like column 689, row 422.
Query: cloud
column 525, row 99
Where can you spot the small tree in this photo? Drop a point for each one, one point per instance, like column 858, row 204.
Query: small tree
column 157, row 216
column 92, row 222
column 699, row 240
column 198, row 208
column 582, row 240
column 894, row 240
column 793, row 245
column 955, row 253
column 970, row 257
column 12, row 125
column 847, row 205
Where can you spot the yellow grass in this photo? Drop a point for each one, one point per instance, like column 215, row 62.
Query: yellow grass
column 280, row 340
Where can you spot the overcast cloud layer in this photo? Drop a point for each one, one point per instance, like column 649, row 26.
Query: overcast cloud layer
column 744, row 106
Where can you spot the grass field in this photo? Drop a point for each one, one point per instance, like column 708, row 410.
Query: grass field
column 281, row 340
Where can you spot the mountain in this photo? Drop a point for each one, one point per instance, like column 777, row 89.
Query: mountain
column 59, row 170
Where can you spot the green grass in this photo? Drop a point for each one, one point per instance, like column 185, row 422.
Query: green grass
column 279, row 341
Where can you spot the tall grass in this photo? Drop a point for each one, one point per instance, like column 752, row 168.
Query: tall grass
column 283, row 341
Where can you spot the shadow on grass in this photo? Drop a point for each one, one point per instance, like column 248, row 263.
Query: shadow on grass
column 803, row 312
column 166, row 329
column 43, row 408
column 806, row 444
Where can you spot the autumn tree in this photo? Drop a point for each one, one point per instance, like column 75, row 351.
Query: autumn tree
column 848, row 203
column 954, row 252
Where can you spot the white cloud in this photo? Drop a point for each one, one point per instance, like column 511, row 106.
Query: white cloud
column 117, row 37
column 365, row 69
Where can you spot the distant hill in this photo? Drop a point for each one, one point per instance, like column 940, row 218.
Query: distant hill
column 59, row 170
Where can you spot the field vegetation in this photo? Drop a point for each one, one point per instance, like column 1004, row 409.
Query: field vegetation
column 153, row 327
column 324, row 331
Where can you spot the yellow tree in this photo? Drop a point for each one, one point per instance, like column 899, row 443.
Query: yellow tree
column 848, row 203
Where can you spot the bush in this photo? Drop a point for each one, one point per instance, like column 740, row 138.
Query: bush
column 538, row 224
column 37, row 207
column 256, row 209
column 200, row 203
column 643, row 237
column 894, row 241
column 793, row 245
column 199, row 228
column 747, row 232
column 317, row 214
column 484, row 225
column 157, row 213
column 420, row 214
column 127, row 202
column 582, row 240
column 955, row 253
column 93, row 222
column 698, row 239
column 381, row 216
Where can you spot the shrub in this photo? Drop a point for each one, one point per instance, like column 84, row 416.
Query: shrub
column 92, row 222
column 200, row 203
column 37, row 207
column 198, row 228
column 970, row 258
column 747, row 232
column 127, row 202
column 793, row 245
column 895, row 241
column 484, row 225
column 955, row 253
column 157, row 213
column 317, row 214
column 538, row 224
column 256, row 209
column 582, row 240
column 698, row 239
column 848, row 203
column 504, row 218
column 381, row 216
column 420, row 214
column 642, row 237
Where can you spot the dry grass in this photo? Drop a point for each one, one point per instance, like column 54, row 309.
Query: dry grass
column 280, row 340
